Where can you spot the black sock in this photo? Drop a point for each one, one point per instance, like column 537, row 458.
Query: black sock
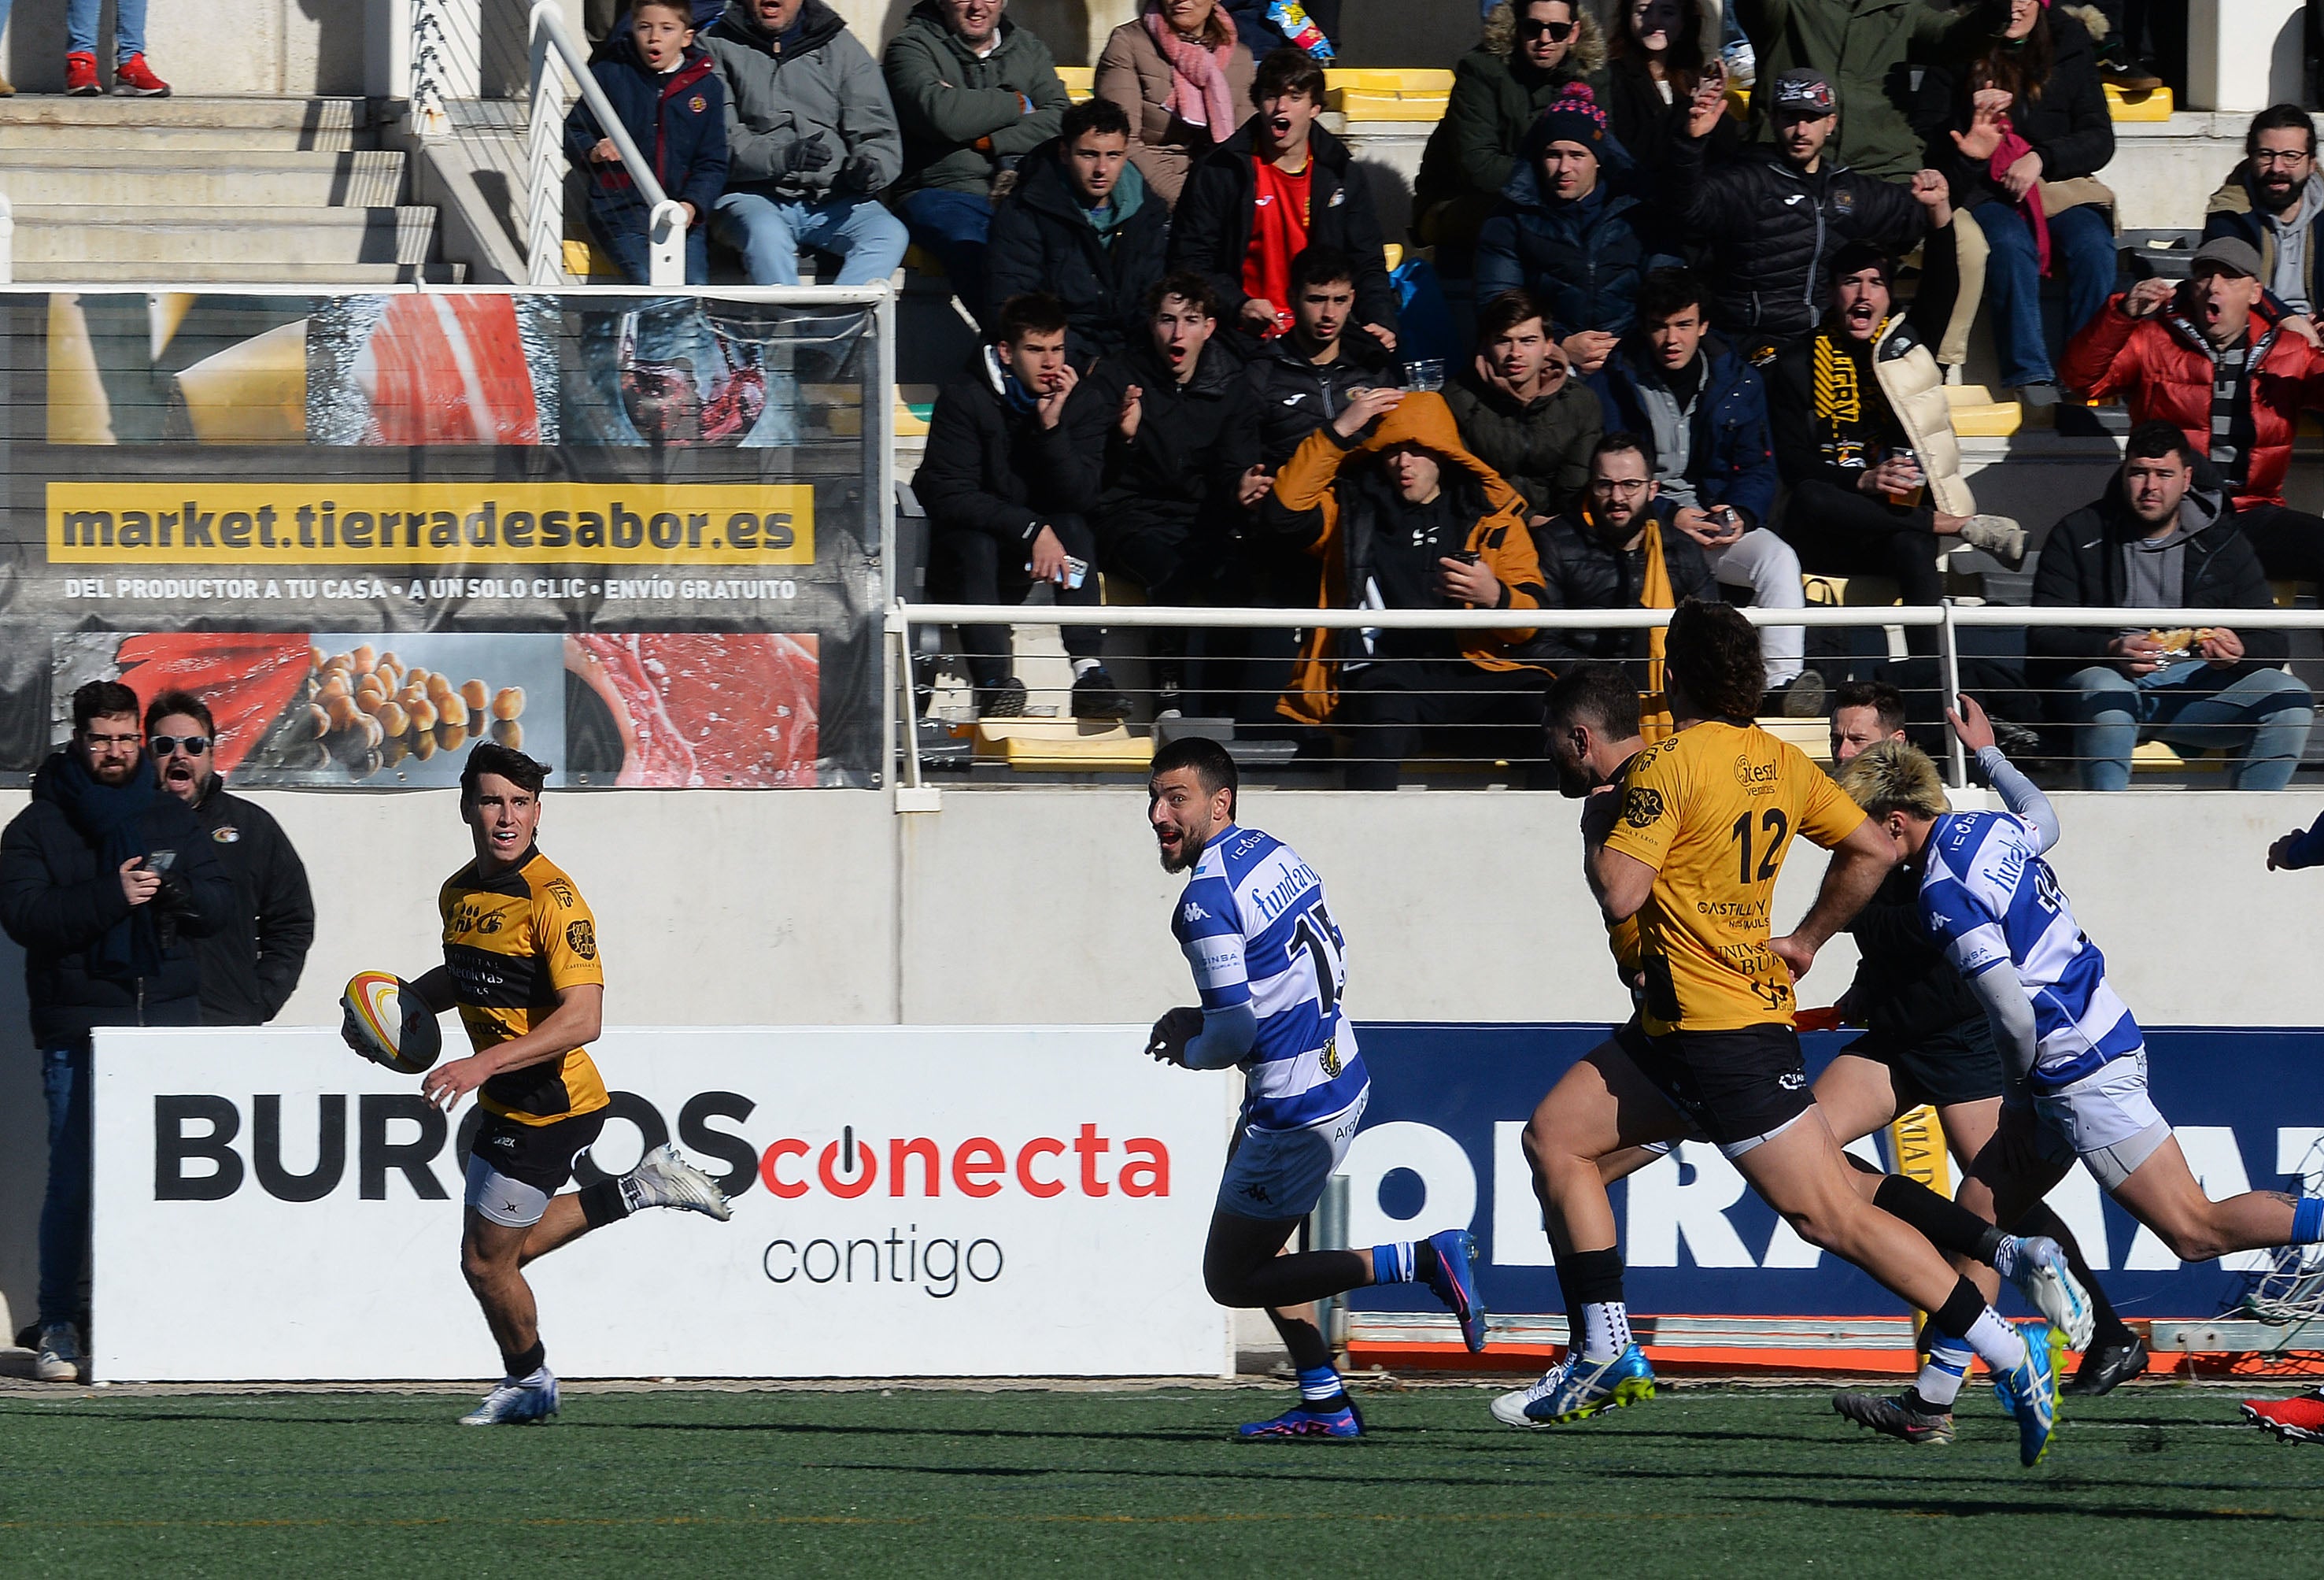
column 527, row 1362
column 2041, row 1220
column 1590, row 1278
column 603, row 1203
column 1945, row 1224
column 1959, row 1312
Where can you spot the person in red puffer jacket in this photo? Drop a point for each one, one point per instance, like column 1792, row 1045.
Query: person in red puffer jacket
column 2219, row 358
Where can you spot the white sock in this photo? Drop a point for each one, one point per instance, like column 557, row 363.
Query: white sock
column 1940, row 1380
column 1996, row 1342
column 1605, row 1329
column 537, row 1378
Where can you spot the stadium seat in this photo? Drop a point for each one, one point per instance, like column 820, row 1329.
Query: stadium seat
column 1081, row 81
column 583, row 262
column 2151, row 105
column 1387, row 94
column 1978, row 415
column 1062, row 746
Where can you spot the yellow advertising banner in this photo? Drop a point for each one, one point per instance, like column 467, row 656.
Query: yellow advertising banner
column 260, row 525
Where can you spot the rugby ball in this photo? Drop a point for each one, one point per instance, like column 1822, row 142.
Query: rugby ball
column 388, row 1023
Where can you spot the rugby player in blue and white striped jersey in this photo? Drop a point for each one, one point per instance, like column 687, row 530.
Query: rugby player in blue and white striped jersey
column 1270, row 967
column 2075, row 1056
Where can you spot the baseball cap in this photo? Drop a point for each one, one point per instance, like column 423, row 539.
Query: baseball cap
column 2232, row 253
column 1805, row 92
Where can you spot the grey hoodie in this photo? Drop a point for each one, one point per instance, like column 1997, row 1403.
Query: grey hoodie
column 823, row 82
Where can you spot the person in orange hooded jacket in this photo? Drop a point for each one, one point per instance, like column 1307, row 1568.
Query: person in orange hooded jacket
column 1403, row 517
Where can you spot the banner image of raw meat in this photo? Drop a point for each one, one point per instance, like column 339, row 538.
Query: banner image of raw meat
column 696, row 709
column 654, row 520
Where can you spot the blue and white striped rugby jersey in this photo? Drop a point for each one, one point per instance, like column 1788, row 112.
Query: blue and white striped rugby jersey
column 1255, row 930
column 1988, row 895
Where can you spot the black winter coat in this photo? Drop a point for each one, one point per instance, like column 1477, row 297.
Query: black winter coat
column 1194, row 443
column 1579, row 571
column 1773, row 230
column 1210, row 233
column 1294, row 396
column 1800, row 452
column 1648, row 129
column 1041, row 240
column 1541, row 448
column 57, row 903
column 2081, row 567
column 991, row 468
column 679, row 123
column 251, row 963
column 1582, row 260
column 2067, row 125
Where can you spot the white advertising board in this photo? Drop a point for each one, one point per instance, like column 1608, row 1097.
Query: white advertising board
column 1022, row 1202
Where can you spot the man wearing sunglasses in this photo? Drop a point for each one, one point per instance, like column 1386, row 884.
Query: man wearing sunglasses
column 106, row 882
column 252, row 962
column 1499, row 89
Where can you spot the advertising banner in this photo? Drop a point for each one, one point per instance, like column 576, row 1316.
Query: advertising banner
column 908, row 1201
column 638, row 537
column 1441, row 1145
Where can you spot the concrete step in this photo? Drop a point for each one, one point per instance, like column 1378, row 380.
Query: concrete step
column 145, row 126
column 326, row 278
column 163, row 237
column 281, row 178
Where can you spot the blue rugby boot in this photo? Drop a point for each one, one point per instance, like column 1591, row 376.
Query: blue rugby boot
column 1594, row 1387
column 1454, row 1282
column 516, row 1404
column 1303, row 1421
column 2029, row 1390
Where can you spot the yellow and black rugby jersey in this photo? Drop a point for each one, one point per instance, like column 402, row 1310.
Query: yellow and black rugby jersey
column 1713, row 810
column 510, row 943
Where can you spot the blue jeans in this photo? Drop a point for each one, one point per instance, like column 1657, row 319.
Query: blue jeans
column 629, row 248
column 2081, row 252
column 768, row 232
column 64, row 1210
column 954, row 226
column 80, row 26
column 2261, row 719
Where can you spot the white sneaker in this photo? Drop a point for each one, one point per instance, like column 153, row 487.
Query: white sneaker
column 2043, row 1276
column 664, row 1179
column 1998, row 536
column 1509, row 1408
column 516, row 1404
column 60, row 1357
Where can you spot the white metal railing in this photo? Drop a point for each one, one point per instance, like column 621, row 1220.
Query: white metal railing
column 7, row 241
column 552, row 48
column 1949, row 619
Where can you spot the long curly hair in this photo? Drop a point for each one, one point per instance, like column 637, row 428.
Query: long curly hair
column 1683, row 61
column 1586, row 58
column 1712, row 654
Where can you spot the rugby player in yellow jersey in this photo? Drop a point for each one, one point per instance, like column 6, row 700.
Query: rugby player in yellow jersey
column 520, row 965
column 1690, row 846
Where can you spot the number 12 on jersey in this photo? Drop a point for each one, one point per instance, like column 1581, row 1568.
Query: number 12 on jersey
column 1778, row 827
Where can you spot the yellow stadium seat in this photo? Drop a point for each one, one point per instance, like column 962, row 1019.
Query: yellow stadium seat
column 1062, row 746
column 1978, row 415
column 1417, row 81
column 582, row 262
column 1381, row 106
column 2152, row 106
column 1392, row 255
column 1081, row 81
column 920, row 261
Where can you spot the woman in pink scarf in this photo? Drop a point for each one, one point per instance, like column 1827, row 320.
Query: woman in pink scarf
column 1184, row 80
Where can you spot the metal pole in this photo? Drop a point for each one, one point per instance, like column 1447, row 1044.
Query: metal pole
column 1949, row 645
column 665, row 246
column 544, row 147
column 1327, row 1230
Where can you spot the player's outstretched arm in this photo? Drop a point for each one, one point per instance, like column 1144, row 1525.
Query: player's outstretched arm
column 2022, row 796
column 1859, row 863
column 575, row 1022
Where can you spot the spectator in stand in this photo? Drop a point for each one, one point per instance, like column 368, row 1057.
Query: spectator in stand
column 132, row 76
column 1776, row 217
column 1278, row 186
column 1009, row 482
column 2274, row 201
column 1866, row 50
column 250, row 962
column 1266, row 26
column 811, row 141
column 974, row 93
column 2233, row 371
column 1408, row 519
column 1865, row 439
column 2018, row 123
column 1082, row 226
column 1180, row 75
column 1864, row 713
column 672, row 104
column 1522, row 411
column 2162, row 538
column 1181, row 468
column 1702, row 413
column 106, row 882
column 1654, row 68
column 1616, row 549
column 1532, row 51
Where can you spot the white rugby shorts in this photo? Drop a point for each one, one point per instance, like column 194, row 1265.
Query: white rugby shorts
column 2107, row 1119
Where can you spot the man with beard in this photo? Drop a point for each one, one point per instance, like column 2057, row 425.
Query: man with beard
column 2274, row 201
column 106, row 882
column 1271, row 965
column 251, row 961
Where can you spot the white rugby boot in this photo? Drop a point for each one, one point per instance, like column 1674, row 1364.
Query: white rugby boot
column 516, row 1404
column 664, row 1179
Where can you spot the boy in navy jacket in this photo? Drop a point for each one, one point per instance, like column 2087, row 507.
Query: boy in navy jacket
column 673, row 104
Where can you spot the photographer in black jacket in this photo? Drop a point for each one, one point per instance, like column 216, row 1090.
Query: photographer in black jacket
column 105, row 882
column 250, row 962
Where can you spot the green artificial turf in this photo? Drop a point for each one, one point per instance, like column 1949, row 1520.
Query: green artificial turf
column 954, row 1483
